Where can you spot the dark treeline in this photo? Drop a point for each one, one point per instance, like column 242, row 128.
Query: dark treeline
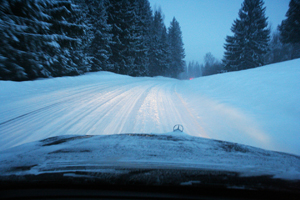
column 252, row 44
column 51, row 38
column 210, row 66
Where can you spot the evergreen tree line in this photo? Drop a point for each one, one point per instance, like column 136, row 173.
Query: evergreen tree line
column 51, row 38
column 252, row 44
column 210, row 66
column 192, row 70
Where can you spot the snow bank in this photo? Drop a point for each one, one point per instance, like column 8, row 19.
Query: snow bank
column 259, row 107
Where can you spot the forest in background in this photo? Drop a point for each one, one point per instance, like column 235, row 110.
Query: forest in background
column 51, row 38
column 252, row 43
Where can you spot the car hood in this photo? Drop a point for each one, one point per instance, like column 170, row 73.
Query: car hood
column 153, row 159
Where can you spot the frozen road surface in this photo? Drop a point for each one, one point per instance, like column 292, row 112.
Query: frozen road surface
column 237, row 107
column 108, row 104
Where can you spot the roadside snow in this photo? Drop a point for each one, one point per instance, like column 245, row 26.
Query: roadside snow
column 258, row 107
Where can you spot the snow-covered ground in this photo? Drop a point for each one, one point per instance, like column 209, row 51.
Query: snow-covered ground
column 258, row 107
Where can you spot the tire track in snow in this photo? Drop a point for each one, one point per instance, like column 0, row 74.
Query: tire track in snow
column 110, row 110
column 33, row 126
column 30, row 104
column 70, row 112
column 194, row 122
column 141, row 105
column 74, row 98
column 177, row 109
column 163, row 108
column 125, row 120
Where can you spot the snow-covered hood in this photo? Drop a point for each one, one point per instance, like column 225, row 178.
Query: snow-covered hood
column 171, row 159
column 166, row 151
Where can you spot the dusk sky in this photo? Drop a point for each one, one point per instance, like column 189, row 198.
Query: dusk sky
column 206, row 23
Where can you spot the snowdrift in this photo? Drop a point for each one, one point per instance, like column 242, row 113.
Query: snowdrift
column 259, row 107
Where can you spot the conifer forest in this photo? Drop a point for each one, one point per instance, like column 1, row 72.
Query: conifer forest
column 53, row 38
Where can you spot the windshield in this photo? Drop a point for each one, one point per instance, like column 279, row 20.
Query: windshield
column 190, row 84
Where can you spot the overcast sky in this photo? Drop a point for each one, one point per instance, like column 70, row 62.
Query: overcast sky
column 205, row 23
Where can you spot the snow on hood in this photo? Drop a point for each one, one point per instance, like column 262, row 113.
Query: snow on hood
column 167, row 151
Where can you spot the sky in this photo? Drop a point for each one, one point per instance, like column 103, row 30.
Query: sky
column 206, row 23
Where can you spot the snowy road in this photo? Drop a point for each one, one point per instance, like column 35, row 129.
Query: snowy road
column 258, row 107
column 119, row 105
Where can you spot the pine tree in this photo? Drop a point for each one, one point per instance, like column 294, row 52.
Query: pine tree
column 193, row 70
column 247, row 47
column 279, row 51
column 40, row 39
column 81, row 17
column 23, row 32
column 211, row 65
column 121, row 17
column 143, row 18
column 97, row 39
column 158, row 46
column 100, row 37
column 65, row 55
column 232, row 54
column 69, row 37
column 290, row 27
column 166, row 52
column 177, row 54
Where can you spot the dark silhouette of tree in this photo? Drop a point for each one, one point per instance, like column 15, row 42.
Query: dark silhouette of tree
column 158, row 46
column 290, row 27
column 247, row 47
column 177, row 54
column 211, row 65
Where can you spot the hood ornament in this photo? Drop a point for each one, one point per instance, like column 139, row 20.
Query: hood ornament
column 178, row 127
